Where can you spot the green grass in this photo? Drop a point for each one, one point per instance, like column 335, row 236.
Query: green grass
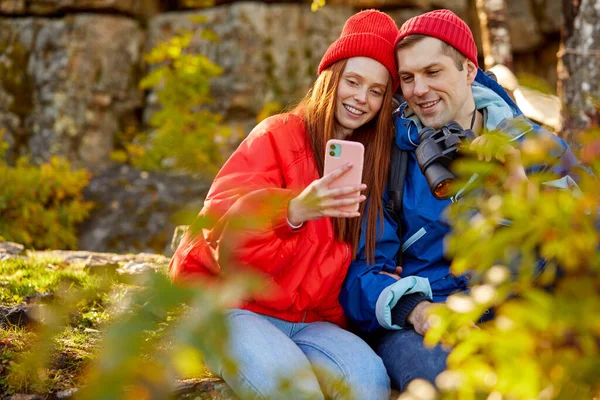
column 20, row 278
column 76, row 305
column 77, row 308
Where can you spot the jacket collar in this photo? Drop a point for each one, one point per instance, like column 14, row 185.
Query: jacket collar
column 407, row 128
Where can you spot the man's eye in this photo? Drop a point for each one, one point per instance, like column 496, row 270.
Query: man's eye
column 407, row 78
column 433, row 72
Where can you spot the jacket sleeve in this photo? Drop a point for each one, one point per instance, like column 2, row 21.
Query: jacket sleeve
column 565, row 166
column 244, row 216
column 368, row 296
column 561, row 161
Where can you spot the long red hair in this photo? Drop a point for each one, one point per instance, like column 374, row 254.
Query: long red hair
column 318, row 111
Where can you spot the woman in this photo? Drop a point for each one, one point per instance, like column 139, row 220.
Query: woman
column 297, row 235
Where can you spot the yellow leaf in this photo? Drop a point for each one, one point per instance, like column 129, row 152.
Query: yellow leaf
column 188, row 362
column 174, row 52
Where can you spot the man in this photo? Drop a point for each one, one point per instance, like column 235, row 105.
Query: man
column 441, row 82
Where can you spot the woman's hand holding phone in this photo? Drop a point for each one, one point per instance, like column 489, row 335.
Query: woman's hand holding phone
column 317, row 200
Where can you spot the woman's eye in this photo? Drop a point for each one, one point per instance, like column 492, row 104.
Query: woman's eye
column 377, row 92
column 352, row 82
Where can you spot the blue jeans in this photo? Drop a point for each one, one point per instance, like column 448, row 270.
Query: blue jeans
column 277, row 359
column 406, row 357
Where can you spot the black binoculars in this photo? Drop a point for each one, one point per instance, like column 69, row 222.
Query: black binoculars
column 436, row 152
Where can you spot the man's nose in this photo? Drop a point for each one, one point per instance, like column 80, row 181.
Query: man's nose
column 421, row 86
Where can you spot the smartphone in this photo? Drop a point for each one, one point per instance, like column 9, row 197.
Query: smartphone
column 339, row 152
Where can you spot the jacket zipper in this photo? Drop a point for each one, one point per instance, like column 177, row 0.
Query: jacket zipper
column 411, row 240
column 347, row 254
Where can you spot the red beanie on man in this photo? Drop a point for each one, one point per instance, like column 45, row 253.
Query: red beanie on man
column 443, row 25
column 369, row 33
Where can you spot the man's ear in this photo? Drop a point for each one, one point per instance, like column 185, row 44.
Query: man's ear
column 471, row 71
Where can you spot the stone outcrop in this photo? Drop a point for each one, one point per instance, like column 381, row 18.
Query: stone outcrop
column 19, row 316
column 67, row 86
column 135, row 209
column 196, row 389
column 10, row 250
column 524, row 31
column 458, row 6
column 203, row 389
column 548, row 15
column 258, row 49
column 93, row 261
column 46, row 7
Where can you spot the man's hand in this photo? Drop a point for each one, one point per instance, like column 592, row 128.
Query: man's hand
column 395, row 275
column 491, row 146
column 418, row 318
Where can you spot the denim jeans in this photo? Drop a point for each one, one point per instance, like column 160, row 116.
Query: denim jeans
column 277, row 359
column 406, row 357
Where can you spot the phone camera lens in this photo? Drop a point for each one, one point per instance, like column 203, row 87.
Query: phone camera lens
column 332, row 147
column 331, row 153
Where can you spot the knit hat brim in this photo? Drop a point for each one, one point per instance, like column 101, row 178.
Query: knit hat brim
column 445, row 26
column 369, row 33
column 363, row 45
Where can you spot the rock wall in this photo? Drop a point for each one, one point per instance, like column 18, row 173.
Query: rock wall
column 535, row 36
column 139, row 8
column 137, row 211
column 68, row 84
column 262, row 58
column 69, row 69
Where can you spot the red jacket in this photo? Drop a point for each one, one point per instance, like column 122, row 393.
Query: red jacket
column 306, row 267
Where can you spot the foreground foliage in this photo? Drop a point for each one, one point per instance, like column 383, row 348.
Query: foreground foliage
column 545, row 340
column 107, row 331
column 543, row 343
column 40, row 206
column 59, row 354
column 184, row 134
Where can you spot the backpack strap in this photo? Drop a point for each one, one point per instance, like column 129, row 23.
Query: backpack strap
column 396, row 178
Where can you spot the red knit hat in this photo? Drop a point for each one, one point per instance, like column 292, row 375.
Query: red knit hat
column 369, row 33
column 443, row 25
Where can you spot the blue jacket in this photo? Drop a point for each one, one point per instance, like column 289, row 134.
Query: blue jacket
column 368, row 296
